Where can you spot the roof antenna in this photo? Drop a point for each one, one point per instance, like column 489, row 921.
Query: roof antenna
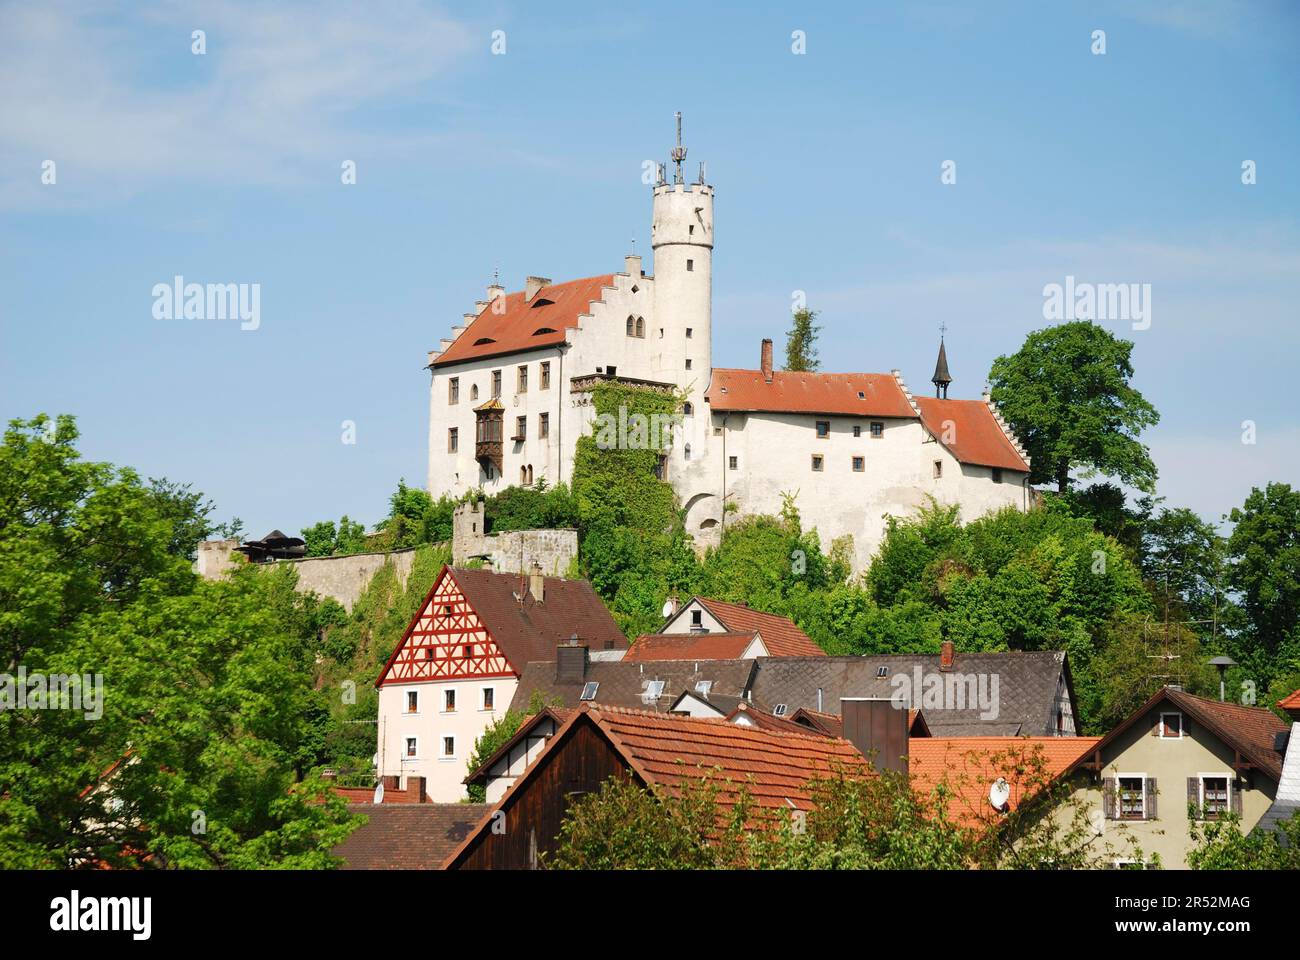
column 679, row 152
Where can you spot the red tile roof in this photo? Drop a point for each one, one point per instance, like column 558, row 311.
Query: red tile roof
column 1290, row 703
column 975, row 436
column 968, row 767
column 689, row 646
column 780, row 635
column 767, row 721
column 832, row 724
column 414, row 837
column 510, row 323
column 791, row 392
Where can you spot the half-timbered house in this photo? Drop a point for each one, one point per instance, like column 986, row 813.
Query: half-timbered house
column 457, row 665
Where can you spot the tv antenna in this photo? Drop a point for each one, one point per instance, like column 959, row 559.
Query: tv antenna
column 679, row 152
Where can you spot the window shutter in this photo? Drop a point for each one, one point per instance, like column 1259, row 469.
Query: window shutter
column 1149, row 808
column 1194, row 796
column 1108, row 795
column 1236, row 791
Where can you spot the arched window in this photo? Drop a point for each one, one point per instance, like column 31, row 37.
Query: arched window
column 530, row 474
column 473, row 391
column 523, row 476
column 631, row 327
column 687, row 408
column 708, row 524
column 640, row 327
column 687, row 451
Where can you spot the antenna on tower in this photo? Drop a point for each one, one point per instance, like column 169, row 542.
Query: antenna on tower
column 702, row 173
column 679, row 152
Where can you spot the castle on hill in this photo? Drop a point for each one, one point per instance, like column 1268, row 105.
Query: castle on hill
column 511, row 395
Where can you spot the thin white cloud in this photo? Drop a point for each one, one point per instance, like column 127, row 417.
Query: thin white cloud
column 117, row 99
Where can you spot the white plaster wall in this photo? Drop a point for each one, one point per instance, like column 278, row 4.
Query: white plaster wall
column 443, row 776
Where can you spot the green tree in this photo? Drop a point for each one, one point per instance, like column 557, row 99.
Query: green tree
column 1221, row 845
column 801, row 341
column 498, row 733
column 1067, row 395
column 1264, row 571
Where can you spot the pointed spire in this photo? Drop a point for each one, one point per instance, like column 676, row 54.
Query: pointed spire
column 941, row 377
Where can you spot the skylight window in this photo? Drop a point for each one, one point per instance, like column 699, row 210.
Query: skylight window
column 779, row 710
column 654, row 689
column 589, row 690
column 703, row 687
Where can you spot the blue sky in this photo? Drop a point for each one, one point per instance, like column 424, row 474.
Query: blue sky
column 1121, row 168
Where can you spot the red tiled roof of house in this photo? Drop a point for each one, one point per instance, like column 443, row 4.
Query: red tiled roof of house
column 780, row 635
column 768, row 721
column 968, row 767
column 510, row 323
column 832, row 724
column 1291, row 702
column 689, row 646
column 968, row 429
column 850, row 394
column 413, row 837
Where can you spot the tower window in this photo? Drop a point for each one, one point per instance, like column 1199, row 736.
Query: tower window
column 688, row 363
column 733, row 462
column 859, row 464
column 817, row 463
column 473, row 391
column 689, row 333
column 453, row 390
column 687, row 408
column 938, row 469
column 686, row 452
column 690, row 266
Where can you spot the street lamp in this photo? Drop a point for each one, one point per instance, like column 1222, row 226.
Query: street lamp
column 1222, row 664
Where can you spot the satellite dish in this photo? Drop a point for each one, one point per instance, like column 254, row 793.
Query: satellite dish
column 379, row 792
column 668, row 607
column 1000, row 793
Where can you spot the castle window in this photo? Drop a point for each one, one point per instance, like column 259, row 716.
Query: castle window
column 733, row 462
column 546, row 375
column 938, row 469
column 453, row 390
column 687, row 408
column 522, row 385
column 857, row 430
column 496, row 383
column 631, row 326
column 877, row 429
column 523, row 476
column 817, row 463
column 543, row 426
column 997, row 474
column 473, row 391
column 610, row 371
column 689, row 333
column 690, row 266
column 453, row 439
column 686, row 451
column 688, row 363
column 640, row 327
column 859, row 464
column 521, row 429
column 530, row 474
column 823, row 429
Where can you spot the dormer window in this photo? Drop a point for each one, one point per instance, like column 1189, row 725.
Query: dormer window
column 541, row 330
column 1170, row 726
column 483, row 341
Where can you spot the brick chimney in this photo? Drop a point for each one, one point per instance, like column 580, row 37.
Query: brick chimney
column 571, row 662
column 878, row 728
column 766, row 362
column 537, row 583
column 946, row 656
column 415, row 789
column 534, row 284
column 391, row 782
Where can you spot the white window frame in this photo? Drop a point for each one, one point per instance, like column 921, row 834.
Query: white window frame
column 1182, row 723
column 408, row 711
column 1119, row 801
column 447, row 757
column 410, row 757
column 482, row 700
column 455, row 697
column 1200, row 794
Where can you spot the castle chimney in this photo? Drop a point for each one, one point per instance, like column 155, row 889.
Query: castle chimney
column 534, row 284
column 946, row 656
column 537, row 583
column 632, row 266
column 878, row 728
column 767, row 360
column 494, row 290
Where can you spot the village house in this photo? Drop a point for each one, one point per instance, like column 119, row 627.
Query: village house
column 708, row 629
column 457, row 665
column 407, row 836
column 511, row 393
column 1180, row 758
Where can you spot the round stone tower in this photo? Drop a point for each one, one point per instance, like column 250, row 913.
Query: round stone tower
column 681, row 235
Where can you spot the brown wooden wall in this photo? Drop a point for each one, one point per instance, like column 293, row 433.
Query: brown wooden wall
column 535, row 807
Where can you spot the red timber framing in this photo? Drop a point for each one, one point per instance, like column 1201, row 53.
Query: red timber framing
column 445, row 640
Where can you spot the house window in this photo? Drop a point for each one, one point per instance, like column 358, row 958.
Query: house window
column 545, row 375
column 412, row 701
column 449, row 701
column 690, row 266
column 997, row 474
column 1214, row 797
column 489, row 698
column 817, row 463
column 823, row 429
column 697, row 621
column 473, row 391
column 543, row 426
column 859, row 464
column 1171, row 726
column 453, row 390
column 453, row 439
column 496, row 383
column 688, row 408
column 1132, row 797
column 877, row 430
column 688, row 363
column 733, row 462
column 412, row 746
column 521, row 429
column 938, row 469
column 689, row 333
column 857, row 430
column 449, row 746
column 609, row 371
column 467, row 651
column 521, row 385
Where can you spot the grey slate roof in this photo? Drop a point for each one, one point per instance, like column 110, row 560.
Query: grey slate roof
column 623, row 684
column 1287, row 801
column 1027, row 686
